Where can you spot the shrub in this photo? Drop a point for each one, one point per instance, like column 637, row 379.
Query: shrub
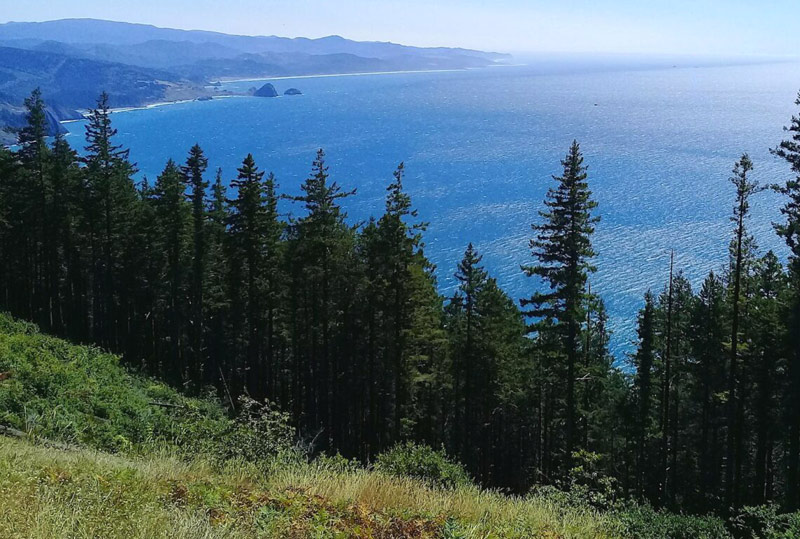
column 587, row 481
column 261, row 432
column 336, row 463
column 422, row 462
column 644, row 522
column 764, row 522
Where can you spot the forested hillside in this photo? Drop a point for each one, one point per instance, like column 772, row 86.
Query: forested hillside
column 340, row 324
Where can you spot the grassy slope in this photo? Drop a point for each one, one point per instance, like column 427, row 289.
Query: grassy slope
column 54, row 493
column 136, row 469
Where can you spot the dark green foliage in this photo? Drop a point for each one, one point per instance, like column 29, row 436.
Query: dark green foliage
column 422, row 462
column 260, row 431
column 764, row 522
column 789, row 230
column 644, row 522
column 341, row 329
column 80, row 394
column 562, row 248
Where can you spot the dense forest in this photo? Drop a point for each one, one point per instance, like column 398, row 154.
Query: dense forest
column 202, row 282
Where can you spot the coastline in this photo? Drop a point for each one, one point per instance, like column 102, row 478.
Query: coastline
column 224, row 80
column 364, row 73
column 145, row 107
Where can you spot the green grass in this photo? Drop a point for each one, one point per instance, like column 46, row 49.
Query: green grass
column 100, row 456
column 46, row 492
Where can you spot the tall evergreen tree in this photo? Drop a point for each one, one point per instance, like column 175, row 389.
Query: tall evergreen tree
column 745, row 188
column 196, row 164
column 644, row 361
column 320, row 252
column 789, row 230
column 173, row 214
column 563, row 249
column 111, row 195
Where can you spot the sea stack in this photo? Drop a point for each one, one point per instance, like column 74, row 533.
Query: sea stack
column 292, row 91
column 268, row 90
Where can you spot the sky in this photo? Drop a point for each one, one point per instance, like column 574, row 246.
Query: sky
column 702, row 27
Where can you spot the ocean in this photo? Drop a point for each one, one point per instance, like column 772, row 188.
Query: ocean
column 480, row 146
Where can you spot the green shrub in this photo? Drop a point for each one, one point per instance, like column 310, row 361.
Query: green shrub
column 336, row 463
column 422, row 462
column 764, row 522
column 260, row 432
column 82, row 395
column 644, row 522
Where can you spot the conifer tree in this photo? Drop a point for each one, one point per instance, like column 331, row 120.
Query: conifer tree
column 216, row 285
column 563, row 249
column 472, row 279
column 708, row 337
column 789, row 230
column 644, row 361
column 744, row 189
column 174, row 219
column 196, row 164
column 36, row 194
column 252, row 223
column 767, row 356
column 406, row 274
column 111, row 196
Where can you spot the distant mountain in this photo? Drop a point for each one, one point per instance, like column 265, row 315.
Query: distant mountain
column 92, row 31
column 73, row 60
column 67, row 81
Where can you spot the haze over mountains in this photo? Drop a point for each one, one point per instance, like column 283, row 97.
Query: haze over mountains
column 73, row 60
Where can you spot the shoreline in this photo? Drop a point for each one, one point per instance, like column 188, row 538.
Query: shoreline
column 145, row 107
column 223, row 80
column 323, row 75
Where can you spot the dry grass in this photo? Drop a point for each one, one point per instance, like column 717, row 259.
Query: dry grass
column 49, row 493
column 475, row 513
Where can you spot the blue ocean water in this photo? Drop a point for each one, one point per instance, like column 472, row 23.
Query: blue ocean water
column 480, row 146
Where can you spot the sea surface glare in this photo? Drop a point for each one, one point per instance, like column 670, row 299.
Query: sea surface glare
column 480, row 147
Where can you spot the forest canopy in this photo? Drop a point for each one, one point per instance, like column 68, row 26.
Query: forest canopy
column 201, row 282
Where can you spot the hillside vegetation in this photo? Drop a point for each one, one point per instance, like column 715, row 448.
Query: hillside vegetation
column 104, row 452
column 342, row 326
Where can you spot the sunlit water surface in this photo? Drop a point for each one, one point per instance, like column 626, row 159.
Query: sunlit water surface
column 480, row 146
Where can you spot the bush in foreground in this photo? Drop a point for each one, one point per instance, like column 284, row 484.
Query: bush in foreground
column 422, row 462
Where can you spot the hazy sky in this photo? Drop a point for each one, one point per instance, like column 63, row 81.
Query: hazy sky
column 648, row 26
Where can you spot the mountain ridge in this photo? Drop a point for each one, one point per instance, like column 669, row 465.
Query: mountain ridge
column 74, row 60
column 92, row 29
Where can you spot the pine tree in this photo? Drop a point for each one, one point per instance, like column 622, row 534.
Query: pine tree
column 410, row 285
column 32, row 138
column 253, row 224
column 67, row 282
column 111, row 196
column 708, row 337
column 644, row 361
column 562, row 246
column 767, row 356
column 36, row 196
column 216, row 288
column 321, row 246
column 744, row 189
column 789, row 150
column 472, row 279
column 196, row 164
column 174, row 218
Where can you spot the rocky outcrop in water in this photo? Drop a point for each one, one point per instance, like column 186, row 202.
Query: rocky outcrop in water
column 292, row 91
column 268, row 90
